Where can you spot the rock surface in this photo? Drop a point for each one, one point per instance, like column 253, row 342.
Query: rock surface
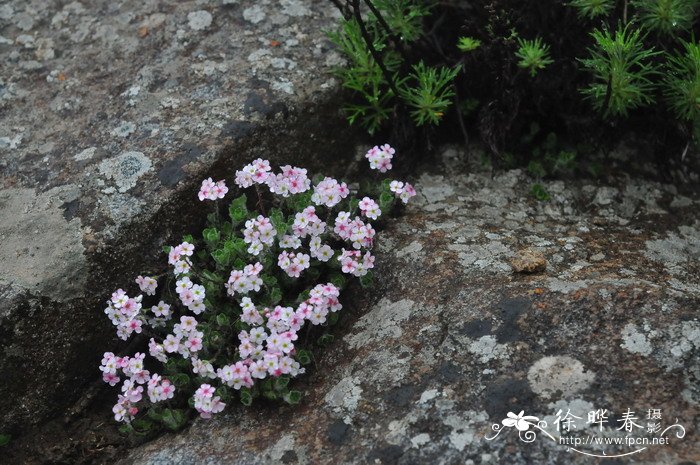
column 110, row 112
column 452, row 340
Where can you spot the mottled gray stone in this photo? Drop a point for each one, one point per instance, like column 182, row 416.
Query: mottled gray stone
column 110, row 114
column 451, row 339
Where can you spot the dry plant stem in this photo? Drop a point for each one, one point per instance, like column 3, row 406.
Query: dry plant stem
column 260, row 200
column 370, row 46
column 377, row 14
column 342, row 8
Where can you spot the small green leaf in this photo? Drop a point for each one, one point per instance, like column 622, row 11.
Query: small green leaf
column 293, row 397
column 278, row 221
column 188, row 238
column 333, row 318
column 246, row 397
column 180, row 380
column 304, row 357
column 353, row 203
column 221, row 256
column 154, row 414
column 5, row 439
column 539, row 192
column 126, row 428
column 366, row 280
column 281, row 382
column 326, row 338
column 222, row 319
column 269, row 280
column 211, row 235
column 174, row 419
column 338, row 280
column 142, row 425
column 238, row 210
column 166, row 248
column 385, row 201
column 224, row 393
column 213, row 277
column 275, row 295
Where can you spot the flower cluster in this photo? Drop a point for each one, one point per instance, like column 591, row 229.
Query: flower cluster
column 257, row 172
column 282, row 269
column 293, row 264
column 329, row 192
column 191, row 295
column 245, row 280
column 380, row 157
column 258, row 232
column 125, row 313
column 356, row 231
column 354, row 263
column 290, row 181
column 369, row 208
column 403, row 190
column 206, row 402
column 211, row 190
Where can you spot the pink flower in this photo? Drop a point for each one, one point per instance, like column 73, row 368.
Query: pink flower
column 380, row 157
column 211, row 190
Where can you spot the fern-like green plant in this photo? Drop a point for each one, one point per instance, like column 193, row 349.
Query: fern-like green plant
column 533, row 54
column 622, row 71
column 682, row 84
column 468, row 44
column 364, row 76
column 666, row 16
column 591, row 9
column 431, row 93
column 404, row 17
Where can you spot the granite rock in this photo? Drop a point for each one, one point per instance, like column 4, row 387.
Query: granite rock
column 451, row 340
column 110, row 114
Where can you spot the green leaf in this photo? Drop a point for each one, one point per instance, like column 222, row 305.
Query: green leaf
column 213, row 277
column 211, row 235
column 275, row 295
column 180, row 380
column 222, row 319
column 293, row 397
column 539, row 192
column 188, row 238
column 333, row 318
column 304, row 357
column 366, row 280
column 246, row 397
column 238, row 210
column 281, row 382
column 352, row 204
column 270, row 395
column 221, row 256
column 278, row 221
column 269, row 280
column 126, row 428
column 154, row 414
column 174, row 419
column 224, row 393
column 385, row 201
column 338, row 280
column 326, row 338
column 142, row 425
column 5, row 439
column 167, row 248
